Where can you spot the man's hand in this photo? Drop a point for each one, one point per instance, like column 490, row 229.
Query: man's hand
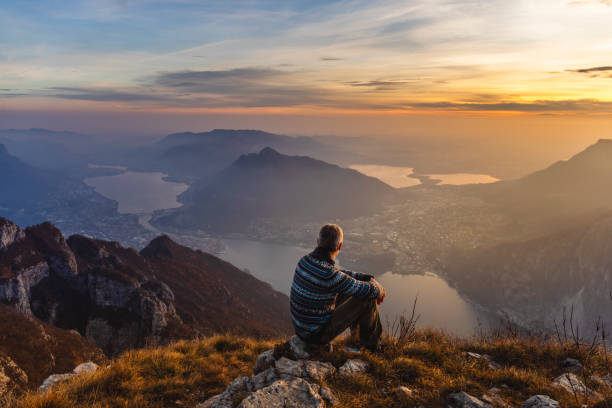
column 381, row 290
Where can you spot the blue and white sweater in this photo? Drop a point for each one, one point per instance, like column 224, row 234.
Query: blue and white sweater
column 316, row 283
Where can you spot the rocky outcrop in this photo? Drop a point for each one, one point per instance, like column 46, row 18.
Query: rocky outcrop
column 465, row 400
column 540, row 401
column 120, row 298
column 104, row 291
column 283, row 383
column 9, row 233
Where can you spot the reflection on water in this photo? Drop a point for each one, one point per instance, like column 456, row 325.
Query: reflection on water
column 440, row 305
column 138, row 193
column 397, row 177
column 463, row 178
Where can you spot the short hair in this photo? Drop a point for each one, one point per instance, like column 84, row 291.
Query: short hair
column 330, row 237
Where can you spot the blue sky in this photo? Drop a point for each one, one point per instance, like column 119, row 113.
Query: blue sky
column 304, row 57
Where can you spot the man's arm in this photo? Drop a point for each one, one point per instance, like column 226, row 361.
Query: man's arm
column 348, row 285
column 358, row 275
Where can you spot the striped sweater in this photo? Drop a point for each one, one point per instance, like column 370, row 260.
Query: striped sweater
column 316, row 282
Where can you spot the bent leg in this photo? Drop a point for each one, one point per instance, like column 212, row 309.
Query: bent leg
column 350, row 313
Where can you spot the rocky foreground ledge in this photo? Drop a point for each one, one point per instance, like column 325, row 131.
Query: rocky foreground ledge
column 429, row 370
column 288, row 377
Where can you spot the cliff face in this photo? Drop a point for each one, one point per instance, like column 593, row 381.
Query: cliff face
column 534, row 280
column 96, row 287
column 120, row 299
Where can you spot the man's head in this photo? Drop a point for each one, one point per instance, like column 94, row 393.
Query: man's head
column 330, row 238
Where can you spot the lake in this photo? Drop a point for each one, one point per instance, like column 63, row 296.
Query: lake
column 399, row 177
column 137, row 192
column 440, row 305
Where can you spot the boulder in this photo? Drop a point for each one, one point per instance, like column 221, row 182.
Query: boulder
column 465, row 400
column 87, row 367
column 354, row 366
column 540, row 401
column 571, row 383
column 281, row 394
column 53, row 379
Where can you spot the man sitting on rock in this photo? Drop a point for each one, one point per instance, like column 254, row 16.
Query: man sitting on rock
column 326, row 300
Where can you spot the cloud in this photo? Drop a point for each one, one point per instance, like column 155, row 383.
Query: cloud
column 579, row 105
column 331, row 59
column 101, row 94
column 593, row 69
column 248, row 87
column 378, row 85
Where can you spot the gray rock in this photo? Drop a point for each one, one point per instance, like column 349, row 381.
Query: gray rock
column 283, row 394
column 227, row 398
column 87, row 367
column 354, row 366
column 53, row 379
column 540, row 401
column 263, row 379
column 571, row 383
column 465, row 400
column 571, row 364
column 306, row 369
column 264, row 360
column 298, row 348
column 9, row 233
column 328, row 396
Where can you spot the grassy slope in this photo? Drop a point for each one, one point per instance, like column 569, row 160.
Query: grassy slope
column 432, row 364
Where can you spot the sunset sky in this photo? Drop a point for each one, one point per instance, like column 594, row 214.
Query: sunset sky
column 345, row 63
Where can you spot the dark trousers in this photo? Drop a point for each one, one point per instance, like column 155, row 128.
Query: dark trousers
column 352, row 312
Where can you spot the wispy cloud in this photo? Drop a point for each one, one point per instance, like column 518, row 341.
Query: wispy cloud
column 592, row 69
column 378, row 85
column 582, row 105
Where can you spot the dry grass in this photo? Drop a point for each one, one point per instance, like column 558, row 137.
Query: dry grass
column 430, row 363
column 178, row 375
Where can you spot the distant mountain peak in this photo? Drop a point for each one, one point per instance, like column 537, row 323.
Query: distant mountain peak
column 162, row 245
column 3, row 150
column 269, row 152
